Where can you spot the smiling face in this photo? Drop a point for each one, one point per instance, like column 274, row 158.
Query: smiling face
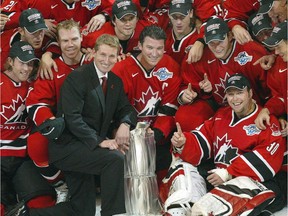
column 152, row 51
column 70, row 43
column 20, row 71
column 105, row 57
column 240, row 101
column 221, row 49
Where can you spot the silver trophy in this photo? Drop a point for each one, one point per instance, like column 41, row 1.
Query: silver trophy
column 141, row 189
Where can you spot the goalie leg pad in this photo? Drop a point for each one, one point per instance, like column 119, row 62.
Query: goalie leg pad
column 186, row 186
column 239, row 196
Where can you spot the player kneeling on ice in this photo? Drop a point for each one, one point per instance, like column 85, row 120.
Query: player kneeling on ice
column 249, row 156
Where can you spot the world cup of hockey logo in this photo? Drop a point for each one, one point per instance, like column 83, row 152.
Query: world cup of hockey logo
column 242, row 58
column 91, row 4
column 163, row 74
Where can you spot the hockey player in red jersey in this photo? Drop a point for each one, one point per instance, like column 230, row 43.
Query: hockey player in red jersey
column 151, row 81
column 236, row 145
column 203, row 10
column 222, row 58
column 42, row 100
column 18, row 174
column 125, row 24
column 182, row 35
column 32, row 27
column 92, row 12
column 277, row 82
column 276, row 79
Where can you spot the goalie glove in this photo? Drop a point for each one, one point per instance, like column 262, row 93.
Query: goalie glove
column 52, row 128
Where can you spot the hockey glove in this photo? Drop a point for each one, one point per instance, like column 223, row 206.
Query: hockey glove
column 52, row 128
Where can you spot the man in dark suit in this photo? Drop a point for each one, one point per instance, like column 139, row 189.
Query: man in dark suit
column 83, row 150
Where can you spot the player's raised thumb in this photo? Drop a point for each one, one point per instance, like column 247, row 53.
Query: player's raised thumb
column 179, row 130
column 189, row 87
column 205, row 77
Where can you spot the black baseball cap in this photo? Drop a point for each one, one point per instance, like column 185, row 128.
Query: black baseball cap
column 216, row 29
column 258, row 22
column 238, row 81
column 122, row 8
column 23, row 51
column 32, row 20
column 182, row 7
column 265, row 6
column 278, row 34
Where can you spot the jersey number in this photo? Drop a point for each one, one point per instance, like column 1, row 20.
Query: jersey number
column 272, row 148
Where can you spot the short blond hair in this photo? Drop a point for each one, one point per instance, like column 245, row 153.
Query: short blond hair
column 68, row 25
column 109, row 40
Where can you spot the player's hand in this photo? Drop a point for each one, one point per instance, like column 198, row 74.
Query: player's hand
column 96, row 23
column 188, row 95
column 214, row 179
column 284, row 127
column 110, row 144
column 123, row 56
column 51, row 31
column 266, row 61
column 262, row 118
column 241, row 35
column 195, row 53
column 46, row 65
column 3, row 20
column 89, row 53
column 178, row 139
column 122, row 135
column 205, row 84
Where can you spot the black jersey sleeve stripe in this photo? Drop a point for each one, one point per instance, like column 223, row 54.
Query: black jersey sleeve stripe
column 168, row 110
column 204, row 145
column 258, row 165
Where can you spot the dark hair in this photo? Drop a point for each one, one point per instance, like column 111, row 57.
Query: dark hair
column 154, row 32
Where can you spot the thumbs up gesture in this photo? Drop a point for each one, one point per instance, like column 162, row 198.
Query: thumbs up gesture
column 178, row 139
column 188, row 95
column 205, row 84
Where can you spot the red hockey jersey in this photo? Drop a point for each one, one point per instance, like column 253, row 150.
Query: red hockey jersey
column 277, row 82
column 81, row 11
column 237, row 12
column 42, row 100
column 158, row 17
column 153, row 94
column 12, row 35
column 178, row 52
column 218, row 71
column 204, row 9
column 15, row 125
column 239, row 146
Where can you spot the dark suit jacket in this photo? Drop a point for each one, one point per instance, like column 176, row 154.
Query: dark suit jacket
column 87, row 114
